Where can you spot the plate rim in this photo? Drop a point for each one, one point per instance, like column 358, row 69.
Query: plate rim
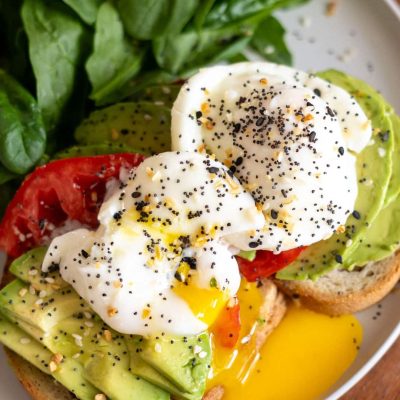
column 394, row 6
column 372, row 361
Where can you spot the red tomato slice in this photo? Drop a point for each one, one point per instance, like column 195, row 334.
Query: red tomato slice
column 267, row 263
column 71, row 189
column 226, row 328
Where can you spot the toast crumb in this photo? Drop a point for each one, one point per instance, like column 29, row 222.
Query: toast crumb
column 215, row 393
column 331, row 8
column 272, row 311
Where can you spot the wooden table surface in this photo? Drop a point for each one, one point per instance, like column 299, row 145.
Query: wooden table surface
column 382, row 382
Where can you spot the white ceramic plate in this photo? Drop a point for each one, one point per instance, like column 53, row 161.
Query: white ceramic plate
column 363, row 39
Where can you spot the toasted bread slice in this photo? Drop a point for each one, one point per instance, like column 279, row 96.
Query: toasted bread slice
column 272, row 311
column 345, row 292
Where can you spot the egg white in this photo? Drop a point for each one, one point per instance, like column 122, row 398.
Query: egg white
column 172, row 206
column 289, row 137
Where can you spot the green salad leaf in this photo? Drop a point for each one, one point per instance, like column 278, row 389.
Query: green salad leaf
column 231, row 11
column 22, row 133
column 86, row 9
column 192, row 49
column 14, row 57
column 115, row 60
column 269, row 41
column 6, row 175
column 152, row 18
column 57, row 45
column 138, row 84
column 202, row 12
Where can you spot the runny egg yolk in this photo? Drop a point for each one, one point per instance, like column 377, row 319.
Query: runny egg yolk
column 303, row 357
column 206, row 304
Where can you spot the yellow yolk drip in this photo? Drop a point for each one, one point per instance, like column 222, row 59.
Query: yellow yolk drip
column 206, row 304
column 302, row 358
column 250, row 301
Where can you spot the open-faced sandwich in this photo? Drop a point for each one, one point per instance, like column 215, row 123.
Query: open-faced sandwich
column 158, row 277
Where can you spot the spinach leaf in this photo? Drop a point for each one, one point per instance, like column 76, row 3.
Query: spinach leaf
column 86, row 9
column 231, row 11
column 6, row 175
column 147, row 19
column 139, row 83
column 172, row 52
column 57, row 44
column 202, row 12
column 192, row 49
column 238, row 58
column 269, row 41
column 22, row 134
column 115, row 60
column 14, row 57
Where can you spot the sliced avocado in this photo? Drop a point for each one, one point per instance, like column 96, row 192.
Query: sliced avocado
column 394, row 184
column 115, row 380
column 145, row 371
column 102, row 352
column 143, row 126
column 373, row 182
column 382, row 239
column 20, row 304
column 68, row 373
column 248, row 255
column 95, row 150
column 383, row 236
column 184, row 361
column 27, row 347
column 78, row 334
column 28, row 268
column 30, row 329
column 160, row 94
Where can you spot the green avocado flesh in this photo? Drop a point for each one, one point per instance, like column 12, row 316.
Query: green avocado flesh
column 68, row 373
column 50, row 318
column 142, row 125
column 372, row 233
column 159, row 94
column 181, row 361
column 28, row 268
column 95, row 150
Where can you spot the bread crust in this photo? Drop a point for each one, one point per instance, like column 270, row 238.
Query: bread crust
column 312, row 295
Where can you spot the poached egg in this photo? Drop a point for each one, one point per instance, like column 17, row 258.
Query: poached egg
column 159, row 261
column 290, row 139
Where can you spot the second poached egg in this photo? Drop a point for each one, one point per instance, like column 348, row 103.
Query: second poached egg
column 289, row 137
